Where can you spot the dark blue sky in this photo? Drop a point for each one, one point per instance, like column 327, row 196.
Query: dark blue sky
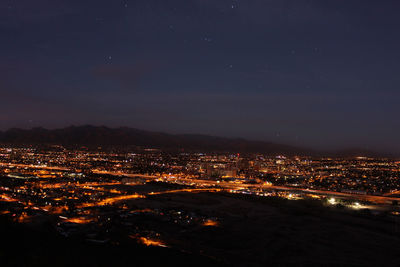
column 322, row 74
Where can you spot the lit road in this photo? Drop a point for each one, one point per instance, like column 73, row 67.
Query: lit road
column 225, row 185
column 43, row 167
column 238, row 186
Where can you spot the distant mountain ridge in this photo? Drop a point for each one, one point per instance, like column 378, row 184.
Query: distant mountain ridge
column 94, row 136
column 104, row 136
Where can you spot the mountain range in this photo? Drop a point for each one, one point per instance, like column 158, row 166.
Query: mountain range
column 104, row 136
column 95, row 136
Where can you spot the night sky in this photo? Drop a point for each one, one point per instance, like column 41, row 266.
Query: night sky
column 321, row 74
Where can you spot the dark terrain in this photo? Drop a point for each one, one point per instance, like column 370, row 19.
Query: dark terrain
column 39, row 245
column 252, row 232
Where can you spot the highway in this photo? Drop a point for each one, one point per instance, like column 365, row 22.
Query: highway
column 225, row 185
column 238, row 186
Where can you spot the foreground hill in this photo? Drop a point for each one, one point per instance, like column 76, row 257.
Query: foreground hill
column 104, row 136
column 26, row 245
column 252, row 232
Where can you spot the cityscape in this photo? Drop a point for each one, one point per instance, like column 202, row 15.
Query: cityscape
column 199, row 133
column 154, row 198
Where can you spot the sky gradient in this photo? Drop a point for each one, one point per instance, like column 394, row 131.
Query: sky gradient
column 320, row 74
